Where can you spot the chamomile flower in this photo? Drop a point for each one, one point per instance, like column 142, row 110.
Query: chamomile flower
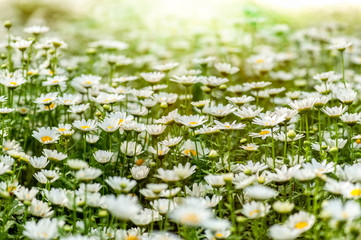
column 25, row 194
column 303, row 105
column 68, row 99
column 65, row 129
column 191, row 149
column 340, row 46
column 123, row 206
column 40, row 209
column 78, row 109
column 240, row 101
column 47, row 99
column 247, row 113
column 139, row 172
column 191, row 215
column 44, row 229
column 130, row 148
column 269, row 121
column 255, row 209
column 339, row 211
column 153, row 77
column 88, row 174
column 282, row 232
column 260, row 192
column 171, row 142
column 102, row 156
column 121, row 184
column 191, row 121
column 301, row 221
column 352, row 191
column 85, row 125
column 219, row 110
column 334, row 111
column 109, row 124
column 155, row 130
column 185, row 80
column 46, row 135
column 12, row 82
column 250, row 147
column 38, row 162
column 226, row 68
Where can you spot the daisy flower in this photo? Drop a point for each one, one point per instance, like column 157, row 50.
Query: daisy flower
column 47, row 99
column 191, row 121
column 85, row 125
column 301, row 221
column 46, row 135
column 255, row 209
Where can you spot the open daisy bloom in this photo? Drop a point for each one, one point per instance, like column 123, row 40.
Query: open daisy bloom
column 189, row 121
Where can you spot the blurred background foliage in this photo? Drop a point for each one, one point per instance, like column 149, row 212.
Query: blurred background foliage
column 162, row 20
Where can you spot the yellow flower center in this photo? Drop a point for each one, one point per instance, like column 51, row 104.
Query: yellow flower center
column 62, row 129
column 190, row 218
column 13, row 83
column 219, row 235
column 253, row 212
column 45, row 235
column 260, row 61
column 85, row 127
column 131, row 237
column 120, row 121
column 50, row 107
column 356, row 192
column 47, row 100
column 358, row 141
column 160, row 152
column 264, row 132
column 87, row 82
column 190, row 152
column 139, row 162
column 301, row 225
column 46, row 138
column 55, row 81
column 193, row 123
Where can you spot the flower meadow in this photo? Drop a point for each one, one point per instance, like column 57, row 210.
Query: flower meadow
column 215, row 137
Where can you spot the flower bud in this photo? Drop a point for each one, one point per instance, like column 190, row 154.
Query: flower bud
column 333, row 150
column 247, row 171
column 291, row 134
column 223, row 87
column 8, row 24
column 67, row 228
column 227, row 177
column 261, row 180
column 5, row 194
column 213, row 154
column 91, row 51
column 103, row 213
column 283, row 207
column 106, row 107
column 163, row 104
